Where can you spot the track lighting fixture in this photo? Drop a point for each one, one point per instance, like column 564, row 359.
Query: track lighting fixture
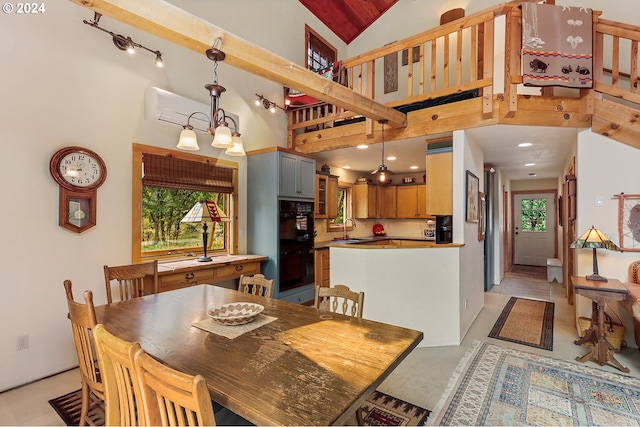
column 268, row 105
column 123, row 43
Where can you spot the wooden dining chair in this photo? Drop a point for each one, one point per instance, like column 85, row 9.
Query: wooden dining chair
column 121, row 385
column 171, row 397
column 83, row 321
column 339, row 299
column 130, row 279
column 256, row 285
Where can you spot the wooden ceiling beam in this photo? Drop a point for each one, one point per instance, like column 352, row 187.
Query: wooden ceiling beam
column 178, row 26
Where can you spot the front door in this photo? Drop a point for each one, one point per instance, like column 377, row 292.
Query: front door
column 534, row 220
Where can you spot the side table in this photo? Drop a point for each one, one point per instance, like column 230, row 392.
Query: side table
column 599, row 293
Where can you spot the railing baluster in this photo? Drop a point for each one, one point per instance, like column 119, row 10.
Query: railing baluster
column 446, row 61
column 459, row 59
column 615, row 62
column 421, row 67
column 633, row 75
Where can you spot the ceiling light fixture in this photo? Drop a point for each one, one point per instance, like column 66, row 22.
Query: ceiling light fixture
column 218, row 124
column 362, row 146
column 121, row 42
column 267, row 104
column 525, row 144
column 382, row 172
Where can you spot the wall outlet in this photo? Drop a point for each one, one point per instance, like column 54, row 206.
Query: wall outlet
column 22, row 342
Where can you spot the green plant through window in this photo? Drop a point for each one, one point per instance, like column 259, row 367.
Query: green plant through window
column 162, row 211
column 344, row 203
column 534, row 215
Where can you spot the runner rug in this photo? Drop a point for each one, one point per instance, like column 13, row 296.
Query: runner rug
column 379, row 409
column 526, row 321
column 528, row 272
column 495, row 385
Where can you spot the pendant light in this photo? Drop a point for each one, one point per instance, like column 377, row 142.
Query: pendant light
column 382, row 172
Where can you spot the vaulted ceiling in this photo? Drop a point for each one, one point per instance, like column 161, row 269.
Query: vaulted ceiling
column 348, row 18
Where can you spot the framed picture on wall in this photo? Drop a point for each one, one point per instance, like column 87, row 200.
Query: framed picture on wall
column 482, row 217
column 473, row 188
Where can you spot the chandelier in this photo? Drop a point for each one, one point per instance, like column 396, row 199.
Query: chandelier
column 223, row 137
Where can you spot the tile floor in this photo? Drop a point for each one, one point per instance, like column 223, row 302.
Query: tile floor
column 419, row 379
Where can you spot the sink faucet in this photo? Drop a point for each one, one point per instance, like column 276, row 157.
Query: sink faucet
column 344, row 225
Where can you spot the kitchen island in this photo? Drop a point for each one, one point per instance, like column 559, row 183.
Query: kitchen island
column 411, row 283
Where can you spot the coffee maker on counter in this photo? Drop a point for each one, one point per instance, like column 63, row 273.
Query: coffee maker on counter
column 444, row 229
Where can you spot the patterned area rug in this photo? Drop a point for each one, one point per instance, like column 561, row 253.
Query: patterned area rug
column 528, row 272
column 495, row 385
column 68, row 407
column 379, row 410
column 526, row 321
column 383, row 410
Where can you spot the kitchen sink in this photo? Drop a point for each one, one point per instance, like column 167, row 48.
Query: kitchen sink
column 353, row 240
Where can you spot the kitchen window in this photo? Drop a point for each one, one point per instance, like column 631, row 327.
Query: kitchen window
column 345, row 191
column 166, row 185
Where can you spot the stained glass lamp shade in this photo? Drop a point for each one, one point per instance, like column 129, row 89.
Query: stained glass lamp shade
column 594, row 239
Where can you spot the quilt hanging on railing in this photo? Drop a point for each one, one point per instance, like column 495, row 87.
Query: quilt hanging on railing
column 557, row 45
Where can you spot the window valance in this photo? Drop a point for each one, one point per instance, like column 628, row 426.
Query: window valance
column 171, row 172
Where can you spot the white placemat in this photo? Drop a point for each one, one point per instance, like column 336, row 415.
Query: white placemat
column 232, row 332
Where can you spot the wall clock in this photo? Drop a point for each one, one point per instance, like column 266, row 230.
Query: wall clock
column 79, row 172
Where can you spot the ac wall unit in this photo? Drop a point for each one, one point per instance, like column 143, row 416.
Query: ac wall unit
column 168, row 108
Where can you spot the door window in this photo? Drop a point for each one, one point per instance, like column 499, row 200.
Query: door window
column 534, row 215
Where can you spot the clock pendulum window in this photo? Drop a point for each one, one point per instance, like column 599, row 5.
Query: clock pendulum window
column 79, row 172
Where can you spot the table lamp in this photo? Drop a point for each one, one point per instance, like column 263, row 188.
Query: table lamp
column 594, row 238
column 202, row 212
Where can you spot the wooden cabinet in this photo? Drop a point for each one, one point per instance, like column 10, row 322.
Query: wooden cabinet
column 365, row 201
column 412, row 201
column 180, row 274
column 322, row 267
column 275, row 174
column 423, row 202
column 387, row 202
column 297, row 176
column 326, row 203
column 440, row 181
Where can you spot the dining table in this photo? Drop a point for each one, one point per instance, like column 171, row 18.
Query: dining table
column 293, row 365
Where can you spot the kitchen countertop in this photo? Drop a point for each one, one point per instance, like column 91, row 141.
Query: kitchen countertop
column 374, row 242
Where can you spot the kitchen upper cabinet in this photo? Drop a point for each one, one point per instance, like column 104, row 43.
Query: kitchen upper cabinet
column 365, row 201
column 326, row 203
column 412, row 201
column 297, row 176
column 387, row 203
column 440, row 180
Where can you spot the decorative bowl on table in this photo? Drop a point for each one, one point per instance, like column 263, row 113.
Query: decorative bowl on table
column 235, row 313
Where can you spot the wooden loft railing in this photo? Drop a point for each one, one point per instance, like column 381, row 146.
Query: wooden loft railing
column 459, row 57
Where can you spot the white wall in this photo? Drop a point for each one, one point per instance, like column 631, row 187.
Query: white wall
column 467, row 156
